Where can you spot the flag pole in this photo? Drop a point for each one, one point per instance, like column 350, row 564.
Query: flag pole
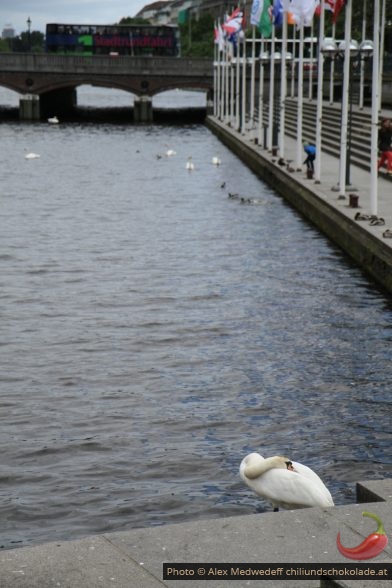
column 218, row 91
column 271, row 90
column 300, row 96
column 227, row 87
column 215, row 74
column 310, row 89
column 381, row 53
column 243, row 93
column 362, row 74
column 232, row 93
column 345, row 97
column 223, row 88
column 283, row 86
column 261, row 94
column 320, row 83
column 237, row 88
column 332, row 72
column 252, row 79
column 375, row 105
column 294, row 53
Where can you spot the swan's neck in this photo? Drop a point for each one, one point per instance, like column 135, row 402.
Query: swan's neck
column 258, row 467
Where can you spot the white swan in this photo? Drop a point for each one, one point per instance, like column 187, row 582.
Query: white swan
column 216, row 161
column 170, row 153
column 189, row 164
column 53, row 120
column 284, row 483
column 32, row 156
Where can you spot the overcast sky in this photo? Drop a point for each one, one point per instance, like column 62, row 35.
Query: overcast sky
column 16, row 12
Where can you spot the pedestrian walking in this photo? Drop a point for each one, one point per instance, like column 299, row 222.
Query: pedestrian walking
column 385, row 145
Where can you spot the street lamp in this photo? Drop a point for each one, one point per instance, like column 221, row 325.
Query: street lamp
column 29, row 32
column 331, row 50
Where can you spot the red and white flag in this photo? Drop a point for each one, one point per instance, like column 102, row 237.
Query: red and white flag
column 335, row 6
column 219, row 37
column 234, row 22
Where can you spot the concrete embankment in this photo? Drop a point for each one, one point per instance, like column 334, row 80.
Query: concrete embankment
column 363, row 241
column 134, row 559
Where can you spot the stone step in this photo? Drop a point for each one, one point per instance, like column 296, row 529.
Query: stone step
column 135, row 558
column 360, row 147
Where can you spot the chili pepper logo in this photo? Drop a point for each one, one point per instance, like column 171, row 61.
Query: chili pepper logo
column 373, row 545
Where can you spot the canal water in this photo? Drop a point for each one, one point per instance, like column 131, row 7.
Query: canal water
column 154, row 331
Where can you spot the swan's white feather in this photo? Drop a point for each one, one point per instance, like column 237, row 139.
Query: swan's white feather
column 285, row 488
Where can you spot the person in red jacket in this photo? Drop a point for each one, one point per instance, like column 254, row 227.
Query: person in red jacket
column 384, row 145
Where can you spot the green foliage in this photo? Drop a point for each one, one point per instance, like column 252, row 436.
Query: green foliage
column 33, row 42
column 358, row 18
column 127, row 20
column 197, row 36
column 5, row 46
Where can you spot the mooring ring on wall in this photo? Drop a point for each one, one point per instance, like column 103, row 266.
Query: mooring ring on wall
column 29, row 82
column 144, row 85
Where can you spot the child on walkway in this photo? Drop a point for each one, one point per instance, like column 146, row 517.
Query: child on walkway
column 384, row 145
column 310, row 151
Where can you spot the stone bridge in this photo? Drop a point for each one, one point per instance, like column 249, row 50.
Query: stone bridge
column 47, row 82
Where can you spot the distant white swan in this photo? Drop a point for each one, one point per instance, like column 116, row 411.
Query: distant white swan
column 170, row 153
column 216, row 161
column 189, row 164
column 32, row 156
column 284, row 483
column 53, row 120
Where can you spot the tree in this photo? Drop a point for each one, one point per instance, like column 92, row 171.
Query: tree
column 197, row 36
column 127, row 20
column 33, row 42
column 5, row 45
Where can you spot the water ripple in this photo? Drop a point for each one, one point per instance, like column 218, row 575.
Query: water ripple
column 154, row 331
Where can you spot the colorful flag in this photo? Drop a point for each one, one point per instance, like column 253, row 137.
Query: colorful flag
column 290, row 18
column 332, row 5
column 302, row 10
column 277, row 13
column 328, row 5
column 265, row 24
column 234, row 22
column 183, row 16
column 219, row 37
column 257, row 9
column 337, row 7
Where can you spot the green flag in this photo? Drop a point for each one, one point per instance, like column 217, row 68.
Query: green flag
column 265, row 23
column 183, row 17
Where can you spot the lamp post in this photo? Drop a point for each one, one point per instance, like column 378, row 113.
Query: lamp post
column 357, row 53
column 28, row 22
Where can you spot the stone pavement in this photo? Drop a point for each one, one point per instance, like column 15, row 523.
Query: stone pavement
column 134, row 559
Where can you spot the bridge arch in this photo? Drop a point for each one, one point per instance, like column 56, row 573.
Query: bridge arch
column 141, row 85
column 52, row 79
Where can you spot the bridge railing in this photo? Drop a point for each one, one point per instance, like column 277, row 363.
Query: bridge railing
column 52, row 63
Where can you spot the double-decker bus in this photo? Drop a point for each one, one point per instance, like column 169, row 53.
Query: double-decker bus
column 136, row 40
